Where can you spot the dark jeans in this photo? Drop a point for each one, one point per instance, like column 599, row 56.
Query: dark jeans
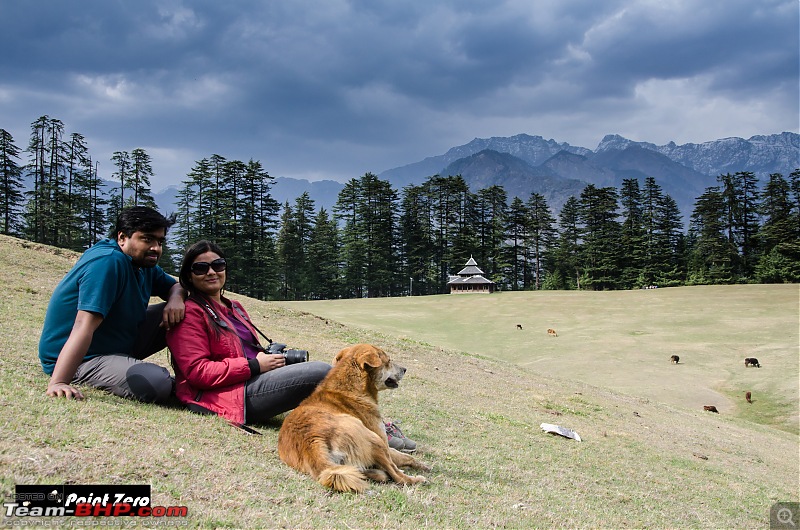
column 125, row 374
column 277, row 391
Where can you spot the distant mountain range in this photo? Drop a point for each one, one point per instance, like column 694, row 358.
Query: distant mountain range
column 524, row 164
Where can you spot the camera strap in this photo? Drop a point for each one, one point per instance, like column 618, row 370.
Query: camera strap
column 244, row 316
column 220, row 322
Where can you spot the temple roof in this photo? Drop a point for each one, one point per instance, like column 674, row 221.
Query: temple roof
column 470, row 268
column 477, row 279
column 470, row 274
column 470, row 271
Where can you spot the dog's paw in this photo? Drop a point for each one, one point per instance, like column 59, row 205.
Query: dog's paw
column 413, row 463
column 410, row 480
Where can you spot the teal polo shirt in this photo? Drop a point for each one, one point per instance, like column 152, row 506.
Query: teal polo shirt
column 103, row 281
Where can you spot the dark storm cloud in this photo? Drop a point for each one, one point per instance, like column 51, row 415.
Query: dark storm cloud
column 334, row 88
column 737, row 45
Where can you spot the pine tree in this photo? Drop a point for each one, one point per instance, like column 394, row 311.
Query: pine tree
column 740, row 199
column 490, row 214
column 94, row 202
column 633, row 241
column 650, row 253
column 517, row 234
column 347, row 215
column 294, row 239
column 367, row 209
column 453, row 241
column 59, row 216
column 37, row 208
column 304, row 215
column 416, row 236
column 568, row 271
column 794, row 187
column 223, row 175
column 141, row 171
column 541, row 235
column 712, row 254
column 77, row 196
column 11, row 186
column 600, row 232
column 288, row 254
column 779, row 235
column 122, row 164
column 46, row 213
column 669, row 249
column 323, row 256
column 256, row 228
column 749, row 221
column 184, row 230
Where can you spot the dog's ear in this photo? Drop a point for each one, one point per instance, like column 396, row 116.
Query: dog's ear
column 368, row 356
column 341, row 355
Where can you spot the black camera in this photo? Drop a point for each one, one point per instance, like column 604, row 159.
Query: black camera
column 291, row 356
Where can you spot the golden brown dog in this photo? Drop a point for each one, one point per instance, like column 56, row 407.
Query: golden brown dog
column 336, row 434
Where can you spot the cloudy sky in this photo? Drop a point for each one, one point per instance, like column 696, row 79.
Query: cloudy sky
column 335, row 88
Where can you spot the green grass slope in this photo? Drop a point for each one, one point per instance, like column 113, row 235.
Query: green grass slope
column 642, row 463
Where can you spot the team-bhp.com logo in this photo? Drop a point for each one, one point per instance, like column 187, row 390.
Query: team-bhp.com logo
column 87, row 501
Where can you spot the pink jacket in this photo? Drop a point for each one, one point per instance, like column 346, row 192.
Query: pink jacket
column 209, row 361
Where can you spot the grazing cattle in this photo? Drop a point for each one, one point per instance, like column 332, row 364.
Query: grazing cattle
column 552, row 332
column 751, row 361
column 674, row 359
column 710, row 408
column 748, row 396
column 519, row 326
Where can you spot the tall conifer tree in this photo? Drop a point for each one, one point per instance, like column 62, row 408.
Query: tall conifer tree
column 11, row 185
column 541, row 235
column 600, row 232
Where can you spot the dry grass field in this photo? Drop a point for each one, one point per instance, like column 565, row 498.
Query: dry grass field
column 643, row 462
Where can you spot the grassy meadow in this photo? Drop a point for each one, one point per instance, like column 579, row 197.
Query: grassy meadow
column 476, row 391
column 621, row 340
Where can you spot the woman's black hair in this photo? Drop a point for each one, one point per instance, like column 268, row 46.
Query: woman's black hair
column 201, row 247
column 141, row 219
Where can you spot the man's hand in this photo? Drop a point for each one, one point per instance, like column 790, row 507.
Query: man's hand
column 175, row 309
column 72, row 355
column 63, row 390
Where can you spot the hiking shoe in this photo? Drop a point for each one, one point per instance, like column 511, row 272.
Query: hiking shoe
column 397, row 440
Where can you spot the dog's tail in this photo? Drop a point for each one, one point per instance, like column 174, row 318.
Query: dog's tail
column 343, row 478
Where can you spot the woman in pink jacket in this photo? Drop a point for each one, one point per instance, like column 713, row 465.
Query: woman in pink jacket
column 220, row 367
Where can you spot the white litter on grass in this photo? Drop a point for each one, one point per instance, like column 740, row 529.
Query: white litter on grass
column 561, row 431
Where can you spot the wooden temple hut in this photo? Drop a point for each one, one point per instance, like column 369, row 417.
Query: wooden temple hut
column 470, row 280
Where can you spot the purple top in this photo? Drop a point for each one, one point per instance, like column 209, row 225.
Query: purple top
column 248, row 340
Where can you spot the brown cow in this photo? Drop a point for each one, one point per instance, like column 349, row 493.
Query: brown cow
column 751, row 361
column 674, row 359
column 710, row 408
column 552, row 332
column 748, row 397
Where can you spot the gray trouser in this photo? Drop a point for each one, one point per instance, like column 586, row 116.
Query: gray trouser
column 277, row 391
column 125, row 374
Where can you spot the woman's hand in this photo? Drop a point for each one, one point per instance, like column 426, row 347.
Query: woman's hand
column 270, row 361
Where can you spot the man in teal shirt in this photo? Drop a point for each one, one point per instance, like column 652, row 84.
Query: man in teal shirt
column 99, row 326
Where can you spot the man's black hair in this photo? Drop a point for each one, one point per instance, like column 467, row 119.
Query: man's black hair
column 141, row 219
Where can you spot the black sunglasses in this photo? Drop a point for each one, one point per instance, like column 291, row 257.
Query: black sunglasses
column 201, row 267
